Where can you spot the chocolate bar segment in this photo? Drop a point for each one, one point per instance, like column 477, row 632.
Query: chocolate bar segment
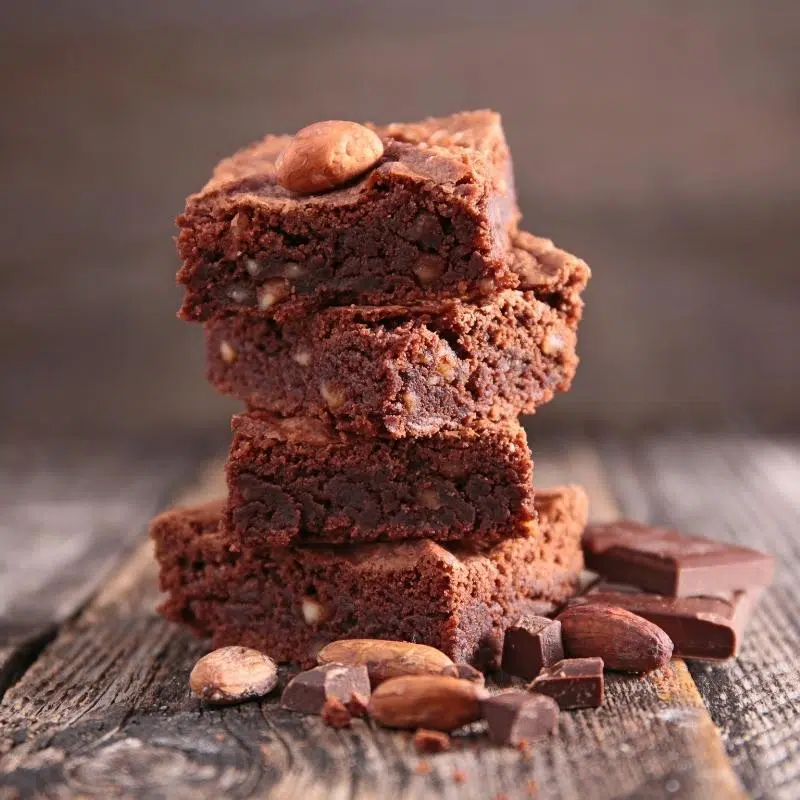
column 672, row 563
column 572, row 683
column 700, row 627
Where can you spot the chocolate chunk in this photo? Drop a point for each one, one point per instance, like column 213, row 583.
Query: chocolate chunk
column 572, row 683
column 700, row 627
column 309, row 691
column 427, row 741
column 672, row 563
column 514, row 717
column 465, row 672
column 530, row 644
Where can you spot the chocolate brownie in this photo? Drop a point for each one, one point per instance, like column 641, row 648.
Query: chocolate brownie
column 566, row 511
column 290, row 601
column 298, row 479
column 555, row 276
column 398, row 371
column 431, row 219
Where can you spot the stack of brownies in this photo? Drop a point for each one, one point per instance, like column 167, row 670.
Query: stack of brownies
column 367, row 293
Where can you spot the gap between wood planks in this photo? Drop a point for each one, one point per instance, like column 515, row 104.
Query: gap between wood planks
column 106, row 709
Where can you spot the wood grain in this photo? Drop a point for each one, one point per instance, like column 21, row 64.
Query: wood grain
column 105, row 711
column 746, row 490
column 66, row 518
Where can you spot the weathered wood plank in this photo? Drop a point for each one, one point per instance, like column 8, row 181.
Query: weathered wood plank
column 748, row 491
column 105, row 711
column 66, row 518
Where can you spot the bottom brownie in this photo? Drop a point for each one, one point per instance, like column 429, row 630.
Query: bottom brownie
column 291, row 601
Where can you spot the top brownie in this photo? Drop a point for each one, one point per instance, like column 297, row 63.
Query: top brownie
column 430, row 219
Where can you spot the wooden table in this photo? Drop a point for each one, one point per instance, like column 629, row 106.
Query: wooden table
column 95, row 683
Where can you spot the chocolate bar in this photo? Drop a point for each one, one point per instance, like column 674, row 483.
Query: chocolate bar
column 672, row 563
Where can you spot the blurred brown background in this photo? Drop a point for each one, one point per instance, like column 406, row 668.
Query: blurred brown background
column 659, row 140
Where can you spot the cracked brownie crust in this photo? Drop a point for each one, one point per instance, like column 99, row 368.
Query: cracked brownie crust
column 398, row 371
column 432, row 219
column 290, row 602
column 299, row 480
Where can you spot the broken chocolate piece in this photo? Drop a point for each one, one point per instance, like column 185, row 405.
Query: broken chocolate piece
column 572, row 683
column 672, row 563
column 465, row 672
column 309, row 691
column 700, row 627
column 514, row 717
column 530, row 644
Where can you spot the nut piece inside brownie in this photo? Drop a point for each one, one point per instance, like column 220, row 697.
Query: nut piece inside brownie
column 457, row 597
column 432, row 218
column 296, row 480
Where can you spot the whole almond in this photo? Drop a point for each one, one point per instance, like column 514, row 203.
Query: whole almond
column 385, row 659
column 327, row 154
column 437, row 702
column 625, row 641
column 233, row 674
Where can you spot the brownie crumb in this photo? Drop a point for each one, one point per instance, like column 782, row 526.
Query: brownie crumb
column 335, row 713
column 423, row 768
column 431, row 741
column 357, row 705
column 532, row 788
column 459, row 776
